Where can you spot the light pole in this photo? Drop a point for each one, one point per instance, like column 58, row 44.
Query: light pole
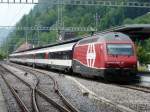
column 26, row 36
column 38, row 33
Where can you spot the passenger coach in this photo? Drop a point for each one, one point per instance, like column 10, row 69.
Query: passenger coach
column 102, row 55
column 58, row 56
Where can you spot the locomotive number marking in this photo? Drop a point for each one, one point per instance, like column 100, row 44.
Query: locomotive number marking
column 91, row 55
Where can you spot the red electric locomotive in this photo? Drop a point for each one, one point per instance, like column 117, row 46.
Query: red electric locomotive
column 105, row 55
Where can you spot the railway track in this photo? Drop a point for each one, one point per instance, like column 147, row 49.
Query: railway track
column 20, row 102
column 67, row 107
column 129, row 86
column 137, row 87
column 134, row 87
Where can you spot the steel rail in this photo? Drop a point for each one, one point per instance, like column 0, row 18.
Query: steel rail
column 137, row 87
column 35, row 107
column 34, row 102
column 61, row 108
column 17, row 97
column 50, row 100
column 67, row 103
column 56, row 88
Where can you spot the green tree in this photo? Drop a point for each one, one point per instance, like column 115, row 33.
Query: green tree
column 143, row 57
column 2, row 55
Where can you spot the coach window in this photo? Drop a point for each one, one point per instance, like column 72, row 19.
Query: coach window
column 49, row 55
column 25, row 56
column 56, row 55
column 59, row 55
column 64, row 55
column 53, row 55
column 40, row 56
column 70, row 54
column 30, row 56
column 67, row 55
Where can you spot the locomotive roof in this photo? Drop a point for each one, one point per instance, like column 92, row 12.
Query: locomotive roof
column 114, row 36
column 103, row 37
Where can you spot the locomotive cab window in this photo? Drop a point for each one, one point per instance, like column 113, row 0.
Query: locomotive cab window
column 120, row 49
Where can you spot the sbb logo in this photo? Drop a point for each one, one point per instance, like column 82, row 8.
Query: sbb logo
column 91, row 55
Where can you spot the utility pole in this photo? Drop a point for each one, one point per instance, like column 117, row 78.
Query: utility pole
column 60, row 14
column 60, row 23
column 26, row 37
column 38, row 33
column 38, row 37
column 7, row 48
column 97, row 19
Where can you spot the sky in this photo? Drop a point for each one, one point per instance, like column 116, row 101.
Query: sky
column 10, row 14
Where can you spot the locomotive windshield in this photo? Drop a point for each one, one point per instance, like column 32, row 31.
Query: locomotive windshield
column 120, row 49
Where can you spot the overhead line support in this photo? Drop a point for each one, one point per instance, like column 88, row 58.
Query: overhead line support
column 103, row 3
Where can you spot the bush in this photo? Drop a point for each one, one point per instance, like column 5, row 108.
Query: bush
column 2, row 56
column 143, row 57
